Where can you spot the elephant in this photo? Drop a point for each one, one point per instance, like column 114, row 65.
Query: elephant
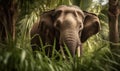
column 69, row 25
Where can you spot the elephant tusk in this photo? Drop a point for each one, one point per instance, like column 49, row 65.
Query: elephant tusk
column 79, row 50
column 63, row 54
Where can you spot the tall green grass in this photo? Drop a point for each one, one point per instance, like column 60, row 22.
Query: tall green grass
column 16, row 58
column 22, row 59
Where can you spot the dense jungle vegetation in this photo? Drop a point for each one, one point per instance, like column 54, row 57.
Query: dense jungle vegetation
column 100, row 52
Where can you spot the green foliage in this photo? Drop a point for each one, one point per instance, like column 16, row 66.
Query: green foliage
column 85, row 6
column 16, row 58
column 22, row 59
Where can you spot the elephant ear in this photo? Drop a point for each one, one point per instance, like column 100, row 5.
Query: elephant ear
column 43, row 22
column 91, row 26
column 43, row 28
column 46, row 19
column 46, row 29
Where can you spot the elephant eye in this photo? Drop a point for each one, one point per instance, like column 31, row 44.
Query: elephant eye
column 80, row 26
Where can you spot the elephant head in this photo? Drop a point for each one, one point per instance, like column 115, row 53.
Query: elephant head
column 69, row 25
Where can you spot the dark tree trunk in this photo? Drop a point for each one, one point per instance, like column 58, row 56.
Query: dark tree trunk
column 119, row 26
column 119, row 19
column 113, row 14
column 8, row 15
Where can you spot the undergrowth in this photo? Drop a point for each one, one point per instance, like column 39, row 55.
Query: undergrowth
column 18, row 58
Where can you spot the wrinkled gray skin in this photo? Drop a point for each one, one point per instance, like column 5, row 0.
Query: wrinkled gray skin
column 68, row 24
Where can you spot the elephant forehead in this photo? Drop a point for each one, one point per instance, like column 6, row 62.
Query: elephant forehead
column 68, row 8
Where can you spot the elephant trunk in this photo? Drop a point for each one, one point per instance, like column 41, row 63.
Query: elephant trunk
column 71, row 39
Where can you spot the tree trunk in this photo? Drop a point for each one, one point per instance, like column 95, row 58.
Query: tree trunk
column 119, row 20
column 113, row 14
column 119, row 26
column 8, row 15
